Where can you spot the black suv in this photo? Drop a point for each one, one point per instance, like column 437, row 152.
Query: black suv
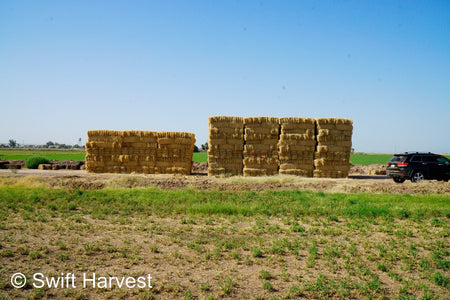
column 418, row 166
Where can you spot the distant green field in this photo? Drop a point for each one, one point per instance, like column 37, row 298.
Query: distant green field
column 52, row 154
column 55, row 154
column 369, row 159
column 200, row 157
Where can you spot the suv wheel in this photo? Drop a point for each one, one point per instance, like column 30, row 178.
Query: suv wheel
column 399, row 180
column 417, row 176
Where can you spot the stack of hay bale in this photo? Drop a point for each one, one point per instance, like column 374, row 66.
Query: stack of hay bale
column 225, row 145
column 174, row 154
column 334, row 143
column 296, row 146
column 103, row 149
column 261, row 146
column 139, row 151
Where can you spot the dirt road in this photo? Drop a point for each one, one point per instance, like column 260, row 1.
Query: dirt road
column 79, row 179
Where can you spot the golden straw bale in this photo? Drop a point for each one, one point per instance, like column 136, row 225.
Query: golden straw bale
column 324, row 139
column 334, row 123
column 131, row 139
column 300, row 138
column 272, row 131
column 176, row 134
column 259, row 137
column 321, row 148
column 259, row 148
column 298, row 172
column 226, row 161
column 258, row 172
column 308, row 131
column 128, row 158
column 138, row 145
column 92, row 145
column 174, row 147
column 294, row 166
column 297, row 121
column 226, row 120
column 44, row 166
column 226, row 130
column 330, row 174
column 296, row 155
column 261, row 120
column 230, row 147
column 267, row 163
column 320, row 162
column 178, row 141
column 227, row 136
column 219, row 142
column 326, row 121
column 224, row 171
column 225, row 155
column 298, row 148
column 230, row 165
column 333, row 155
column 344, row 124
column 102, row 133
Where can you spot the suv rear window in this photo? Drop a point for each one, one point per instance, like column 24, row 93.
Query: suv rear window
column 430, row 158
column 417, row 158
column 398, row 158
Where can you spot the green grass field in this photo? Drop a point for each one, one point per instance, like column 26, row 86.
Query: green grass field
column 236, row 245
column 369, row 159
column 18, row 154
column 52, row 154
column 200, row 157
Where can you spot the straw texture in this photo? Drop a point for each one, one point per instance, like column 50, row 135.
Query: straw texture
column 226, row 143
column 134, row 151
column 334, row 143
column 261, row 146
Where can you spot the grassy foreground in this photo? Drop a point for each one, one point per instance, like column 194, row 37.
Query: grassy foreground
column 212, row 244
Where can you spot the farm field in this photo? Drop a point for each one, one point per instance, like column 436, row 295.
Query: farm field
column 222, row 244
column 19, row 154
column 369, row 159
column 52, row 154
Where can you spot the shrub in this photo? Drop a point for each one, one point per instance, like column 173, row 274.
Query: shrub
column 35, row 161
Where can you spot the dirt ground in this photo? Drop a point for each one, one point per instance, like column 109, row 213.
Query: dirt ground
column 222, row 257
column 357, row 182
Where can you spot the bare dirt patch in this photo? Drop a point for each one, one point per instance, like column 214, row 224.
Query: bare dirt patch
column 225, row 258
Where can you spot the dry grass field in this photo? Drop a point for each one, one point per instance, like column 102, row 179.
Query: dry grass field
column 225, row 238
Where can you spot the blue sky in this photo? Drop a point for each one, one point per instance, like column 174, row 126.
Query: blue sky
column 70, row 66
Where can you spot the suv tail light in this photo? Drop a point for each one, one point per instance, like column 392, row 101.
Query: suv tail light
column 402, row 164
